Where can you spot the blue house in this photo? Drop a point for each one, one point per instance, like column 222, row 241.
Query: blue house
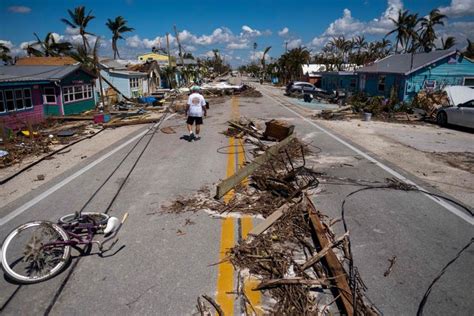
column 339, row 80
column 410, row 73
column 132, row 84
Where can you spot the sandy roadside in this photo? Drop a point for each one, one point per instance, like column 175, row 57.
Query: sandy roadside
column 443, row 158
column 61, row 162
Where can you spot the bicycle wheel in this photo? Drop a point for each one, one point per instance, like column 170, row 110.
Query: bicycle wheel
column 98, row 218
column 34, row 252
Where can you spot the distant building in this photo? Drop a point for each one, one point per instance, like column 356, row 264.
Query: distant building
column 132, row 84
column 161, row 59
column 46, row 61
column 410, row 73
column 31, row 93
column 313, row 73
column 152, row 70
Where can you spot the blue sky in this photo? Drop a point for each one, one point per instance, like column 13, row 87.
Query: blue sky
column 230, row 26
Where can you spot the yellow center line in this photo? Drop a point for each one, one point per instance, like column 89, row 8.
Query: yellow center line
column 247, row 225
column 225, row 273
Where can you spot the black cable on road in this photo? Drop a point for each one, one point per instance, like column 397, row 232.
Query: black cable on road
column 73, row 267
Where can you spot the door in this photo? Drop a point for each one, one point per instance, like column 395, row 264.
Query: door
column 467, row 114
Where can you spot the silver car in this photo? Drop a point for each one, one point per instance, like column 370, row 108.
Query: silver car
column 461, row 113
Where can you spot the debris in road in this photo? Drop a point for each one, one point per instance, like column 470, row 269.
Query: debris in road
column 66, row 133
column 389, row 269
column 204, row 310
column 189, row 222
column 168, row 130
column 40, row 177
column 277, row 130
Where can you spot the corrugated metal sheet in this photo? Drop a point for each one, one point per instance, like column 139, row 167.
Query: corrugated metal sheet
column 35, row 73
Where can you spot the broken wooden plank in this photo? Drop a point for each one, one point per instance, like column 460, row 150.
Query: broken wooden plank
column 132, row 122
column 73, row 118
column 290, row 281
column 336, row 269
column 269, row 221
column 229, row 183
column 323, row 252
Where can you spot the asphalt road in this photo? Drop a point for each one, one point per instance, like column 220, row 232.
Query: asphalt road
column 163, row 265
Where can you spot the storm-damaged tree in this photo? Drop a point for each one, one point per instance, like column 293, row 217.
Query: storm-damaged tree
column 48, row 47
column 469, row 51
column 117, row 27
column 90, row 61
column 427, row 31
column 290, row 63
column 447, row 43
column 79, row 20
column 4, row 54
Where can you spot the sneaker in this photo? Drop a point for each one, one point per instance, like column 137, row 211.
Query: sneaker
column 191, row 137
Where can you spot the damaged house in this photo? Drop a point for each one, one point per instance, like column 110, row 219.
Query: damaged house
column 131, row 84
column 30, row 93
column 152, row 71
column 407, row 74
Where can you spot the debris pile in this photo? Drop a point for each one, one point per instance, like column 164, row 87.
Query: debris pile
column 283, row 252
column 430, row 102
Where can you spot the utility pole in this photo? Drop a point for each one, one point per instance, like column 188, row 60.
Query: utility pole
column 286, row 46
column 179, row 46
column 168, row 48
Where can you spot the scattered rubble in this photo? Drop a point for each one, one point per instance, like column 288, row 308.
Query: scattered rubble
column 281, row 251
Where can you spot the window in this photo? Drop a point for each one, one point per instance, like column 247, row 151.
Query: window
column 2, row 103
column 429, row 84
column 469, row 81
column 27, row 98
column 77, row 93
column 135, row 83
column 49, row 95
column 353, row 83
column 381, row 84
column 19, row 99
column 9, row 100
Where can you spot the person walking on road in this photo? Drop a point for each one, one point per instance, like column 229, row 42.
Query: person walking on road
column 195, row 109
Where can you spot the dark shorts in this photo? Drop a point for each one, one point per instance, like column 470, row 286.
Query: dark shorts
column 192, row 119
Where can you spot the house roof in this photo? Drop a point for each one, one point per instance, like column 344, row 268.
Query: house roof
column 112, row 64
column 128, row 73
column 403, row 63
column 46, row 61
column 145, row 67
column 35, row 73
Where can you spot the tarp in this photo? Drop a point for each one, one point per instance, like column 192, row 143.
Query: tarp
column 459, row 94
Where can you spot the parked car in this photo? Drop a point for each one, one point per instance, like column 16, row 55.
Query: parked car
column 300, row 86
column 461, row 111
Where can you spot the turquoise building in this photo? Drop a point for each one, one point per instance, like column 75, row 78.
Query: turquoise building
column 407, row 74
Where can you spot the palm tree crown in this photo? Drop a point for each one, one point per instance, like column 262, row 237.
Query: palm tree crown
column 79, row 20
column 118, row 27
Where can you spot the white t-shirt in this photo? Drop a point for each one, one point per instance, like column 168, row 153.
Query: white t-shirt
column 196, row 102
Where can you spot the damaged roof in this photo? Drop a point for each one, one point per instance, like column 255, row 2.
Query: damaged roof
column 46, row 61
column 406, row 63
column 35, row 73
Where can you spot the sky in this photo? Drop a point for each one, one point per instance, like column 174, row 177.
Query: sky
column 230, row 26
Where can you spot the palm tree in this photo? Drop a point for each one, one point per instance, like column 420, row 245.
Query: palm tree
column 49, row 46
column 469, row 52
column 401, row 29
column 4, row 53
column 291, row 61
column 80, row 20
column 428, row 34
column 263, row 61
column 118, row 27
column 447, row 43
column 359, row 43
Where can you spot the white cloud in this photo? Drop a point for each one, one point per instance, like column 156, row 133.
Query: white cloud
column 247, row 31
column 134, row 41
column 349, row 26
column 243, row 45
column 294, row 43
column 71, row 31
column 8, row 44
column 283, row 32
column 19, row 9
column 459, row 8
